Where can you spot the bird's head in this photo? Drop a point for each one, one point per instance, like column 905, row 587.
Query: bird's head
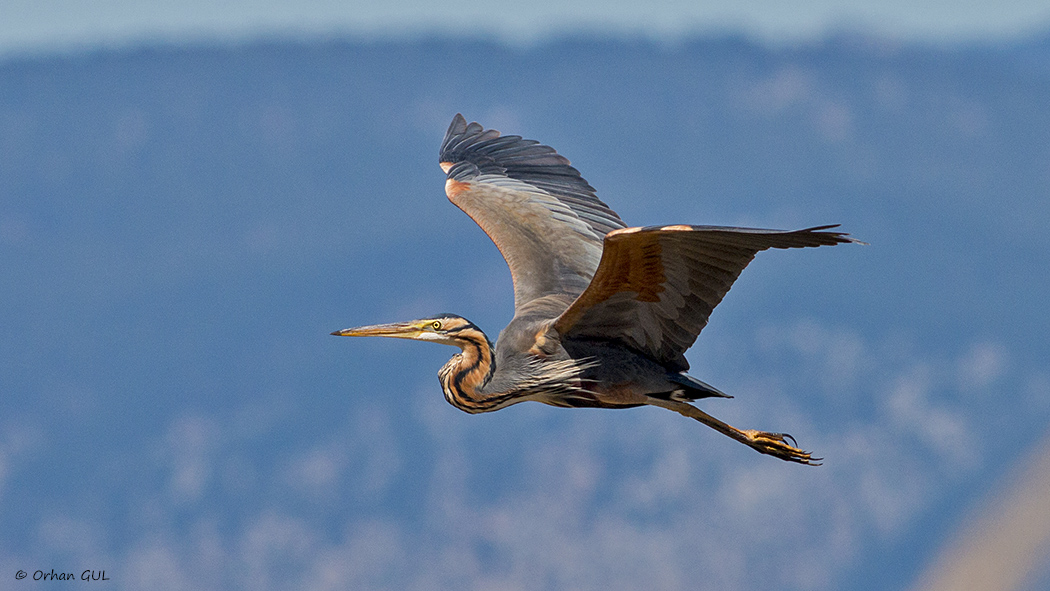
column 447, row 329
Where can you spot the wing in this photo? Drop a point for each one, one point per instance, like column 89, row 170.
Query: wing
column 536, row 208
column 656, row 287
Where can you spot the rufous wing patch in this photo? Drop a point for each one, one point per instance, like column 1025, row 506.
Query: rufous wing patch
column 454, row 187
column 636, row 265
column 645, row 273
column 631, row 262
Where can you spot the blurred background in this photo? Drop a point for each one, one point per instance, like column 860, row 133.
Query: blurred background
column 194, row 194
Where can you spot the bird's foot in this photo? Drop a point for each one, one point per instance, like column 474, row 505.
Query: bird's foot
column 773, row 444
column 776, row 444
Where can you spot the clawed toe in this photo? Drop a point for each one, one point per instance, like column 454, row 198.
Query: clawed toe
column 776, row 444
column 781, row 437
column 779, row 445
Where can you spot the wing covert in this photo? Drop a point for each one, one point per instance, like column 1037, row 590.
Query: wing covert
column 542, row 215
column 655, row 287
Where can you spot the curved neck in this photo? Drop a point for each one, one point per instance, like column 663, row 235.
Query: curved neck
column 464, row 377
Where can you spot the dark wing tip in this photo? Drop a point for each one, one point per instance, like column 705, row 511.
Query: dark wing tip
column 831, row 237
column 460, row 136
column 759, row 238
column 470, row 142
column 457, row 127
column 470, row 150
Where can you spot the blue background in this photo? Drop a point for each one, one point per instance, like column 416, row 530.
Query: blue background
column 181, row 228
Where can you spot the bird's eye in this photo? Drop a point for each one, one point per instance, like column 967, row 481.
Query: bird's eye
column 436, row 325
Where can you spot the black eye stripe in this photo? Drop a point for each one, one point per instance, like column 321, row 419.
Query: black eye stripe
column 449, row 325
column 460, row 328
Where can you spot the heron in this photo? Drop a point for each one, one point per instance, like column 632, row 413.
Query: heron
column 603, row 312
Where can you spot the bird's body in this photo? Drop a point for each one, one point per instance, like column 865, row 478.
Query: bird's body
column 603, row 313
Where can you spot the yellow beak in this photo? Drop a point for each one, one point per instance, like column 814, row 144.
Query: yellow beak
column 397, row 330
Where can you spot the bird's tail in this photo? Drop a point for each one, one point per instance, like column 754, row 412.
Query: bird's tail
column 694, row 389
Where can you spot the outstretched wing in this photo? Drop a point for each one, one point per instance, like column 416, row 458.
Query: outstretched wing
column 656, row 287
column 538, row 210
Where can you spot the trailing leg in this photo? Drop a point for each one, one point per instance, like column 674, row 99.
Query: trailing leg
column 774, row 444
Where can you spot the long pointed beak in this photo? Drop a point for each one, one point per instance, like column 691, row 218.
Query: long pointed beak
column 398, row 330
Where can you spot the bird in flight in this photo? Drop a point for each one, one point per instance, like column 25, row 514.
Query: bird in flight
column 603, row 313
